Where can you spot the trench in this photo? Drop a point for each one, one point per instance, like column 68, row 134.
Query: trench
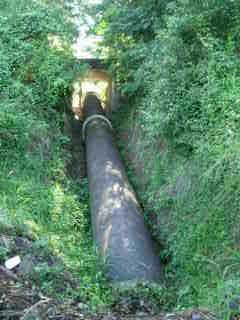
column 121, row 237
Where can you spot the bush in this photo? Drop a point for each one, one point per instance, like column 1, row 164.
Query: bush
column 36, row 72
column 181, row 76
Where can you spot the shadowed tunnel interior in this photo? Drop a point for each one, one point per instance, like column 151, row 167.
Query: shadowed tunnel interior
column 117, row 221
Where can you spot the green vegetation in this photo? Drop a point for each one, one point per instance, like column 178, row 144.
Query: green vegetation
column 36, row 195
column 177, row 62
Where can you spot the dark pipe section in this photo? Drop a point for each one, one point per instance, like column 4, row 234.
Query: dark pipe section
column 117, row 221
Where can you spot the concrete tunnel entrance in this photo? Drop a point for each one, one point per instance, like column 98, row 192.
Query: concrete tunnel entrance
column 100, row 82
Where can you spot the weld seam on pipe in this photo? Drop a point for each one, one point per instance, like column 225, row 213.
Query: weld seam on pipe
column 93, row 117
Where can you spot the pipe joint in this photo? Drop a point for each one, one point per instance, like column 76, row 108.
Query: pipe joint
column 91, row 118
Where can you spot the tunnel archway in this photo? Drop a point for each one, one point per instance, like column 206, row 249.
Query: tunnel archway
column 98, row 80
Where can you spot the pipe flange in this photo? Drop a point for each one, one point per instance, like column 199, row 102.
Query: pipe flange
column 93, row 117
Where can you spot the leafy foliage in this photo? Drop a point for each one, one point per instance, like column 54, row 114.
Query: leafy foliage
column 178, row 64
column 36, row 72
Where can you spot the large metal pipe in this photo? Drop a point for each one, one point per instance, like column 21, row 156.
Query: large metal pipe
column 117, row 221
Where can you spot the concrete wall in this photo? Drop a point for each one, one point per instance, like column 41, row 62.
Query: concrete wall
column 101, row 83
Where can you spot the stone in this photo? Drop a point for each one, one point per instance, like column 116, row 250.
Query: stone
column 12, row 262
column 82, row 306
column 196, row 316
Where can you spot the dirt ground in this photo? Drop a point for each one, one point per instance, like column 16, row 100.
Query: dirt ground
column 19, row 300
column 21, row 297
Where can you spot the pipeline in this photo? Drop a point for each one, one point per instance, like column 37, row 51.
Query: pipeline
column 117, row 221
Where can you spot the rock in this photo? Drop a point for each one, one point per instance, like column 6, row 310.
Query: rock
column 12, row 262
column 83, row 306
column 196, row 316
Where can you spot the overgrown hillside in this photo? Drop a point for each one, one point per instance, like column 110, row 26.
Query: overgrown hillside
column 177, row 65
column 177, row 62
column 36, row 195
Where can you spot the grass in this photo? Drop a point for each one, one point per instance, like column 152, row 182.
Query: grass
column 39, row 197
column 189, row 215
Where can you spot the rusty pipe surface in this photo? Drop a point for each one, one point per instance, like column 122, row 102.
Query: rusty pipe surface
column 118, row 226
